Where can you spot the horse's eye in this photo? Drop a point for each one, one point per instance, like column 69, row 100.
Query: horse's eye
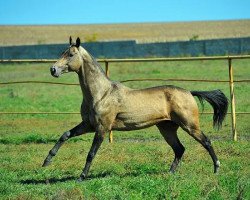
column 71, row 55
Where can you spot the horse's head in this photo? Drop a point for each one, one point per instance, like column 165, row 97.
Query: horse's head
column 70, row 60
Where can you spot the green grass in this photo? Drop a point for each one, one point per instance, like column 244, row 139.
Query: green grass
column 136, row 165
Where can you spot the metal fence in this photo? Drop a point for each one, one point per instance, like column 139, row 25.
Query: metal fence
column 107, row 62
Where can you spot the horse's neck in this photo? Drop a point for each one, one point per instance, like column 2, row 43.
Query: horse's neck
column 94, row 83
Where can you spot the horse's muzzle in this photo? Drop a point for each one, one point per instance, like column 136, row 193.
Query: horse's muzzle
column 54, row 72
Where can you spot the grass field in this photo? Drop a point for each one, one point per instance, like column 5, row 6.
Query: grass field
column 142, row 32
column 136, row 165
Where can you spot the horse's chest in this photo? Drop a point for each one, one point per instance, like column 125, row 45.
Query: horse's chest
column 101, row 115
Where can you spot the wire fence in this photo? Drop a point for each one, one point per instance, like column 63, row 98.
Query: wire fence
column 230, row 80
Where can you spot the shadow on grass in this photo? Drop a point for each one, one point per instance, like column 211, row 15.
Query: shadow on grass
column 47, row 181
column 90, row 177
column 61, row 180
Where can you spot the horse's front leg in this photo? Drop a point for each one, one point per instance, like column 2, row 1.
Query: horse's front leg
column 80, row 129
column 98, row 139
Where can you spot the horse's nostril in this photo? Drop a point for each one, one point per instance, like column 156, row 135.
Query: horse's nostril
column 53, row 70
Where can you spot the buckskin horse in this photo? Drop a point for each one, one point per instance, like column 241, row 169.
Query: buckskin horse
column 109, row 105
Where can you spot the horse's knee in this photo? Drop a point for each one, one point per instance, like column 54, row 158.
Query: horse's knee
column 65, row 136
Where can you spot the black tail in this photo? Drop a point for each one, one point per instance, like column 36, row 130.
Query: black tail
column 218, row 101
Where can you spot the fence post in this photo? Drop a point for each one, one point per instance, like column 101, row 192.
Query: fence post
column 107, row 74
column 232, row 98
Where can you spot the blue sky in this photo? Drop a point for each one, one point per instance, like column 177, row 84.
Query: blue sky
column 22, row 12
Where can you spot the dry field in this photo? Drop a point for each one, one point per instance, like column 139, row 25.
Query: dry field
column 142, row 32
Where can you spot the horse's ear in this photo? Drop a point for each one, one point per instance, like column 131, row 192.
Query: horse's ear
column 78, row 42
column 70, row 40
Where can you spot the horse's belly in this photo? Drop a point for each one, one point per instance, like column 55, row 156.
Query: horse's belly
column 138, row 119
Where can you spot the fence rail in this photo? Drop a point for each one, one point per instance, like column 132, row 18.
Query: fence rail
column 231, row 81
column 77, row 113
column 130, row 80
column 134, row 59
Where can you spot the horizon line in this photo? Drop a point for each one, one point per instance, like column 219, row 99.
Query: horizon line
column 121, row 23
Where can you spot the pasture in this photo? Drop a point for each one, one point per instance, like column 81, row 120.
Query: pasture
column 136, row 165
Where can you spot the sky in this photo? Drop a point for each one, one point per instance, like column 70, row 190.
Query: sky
column 49, row 12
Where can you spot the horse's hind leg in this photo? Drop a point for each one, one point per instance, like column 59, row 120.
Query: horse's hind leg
column 168, row 130
column 190, row 124
column 80, row 129
column 199, row 136
column 188, row 120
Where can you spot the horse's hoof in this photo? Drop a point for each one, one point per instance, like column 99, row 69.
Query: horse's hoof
column 46, row 163
column 81, row 179
column 216, row 167
column 173, row 168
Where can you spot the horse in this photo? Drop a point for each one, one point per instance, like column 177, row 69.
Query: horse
column 108, row 105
